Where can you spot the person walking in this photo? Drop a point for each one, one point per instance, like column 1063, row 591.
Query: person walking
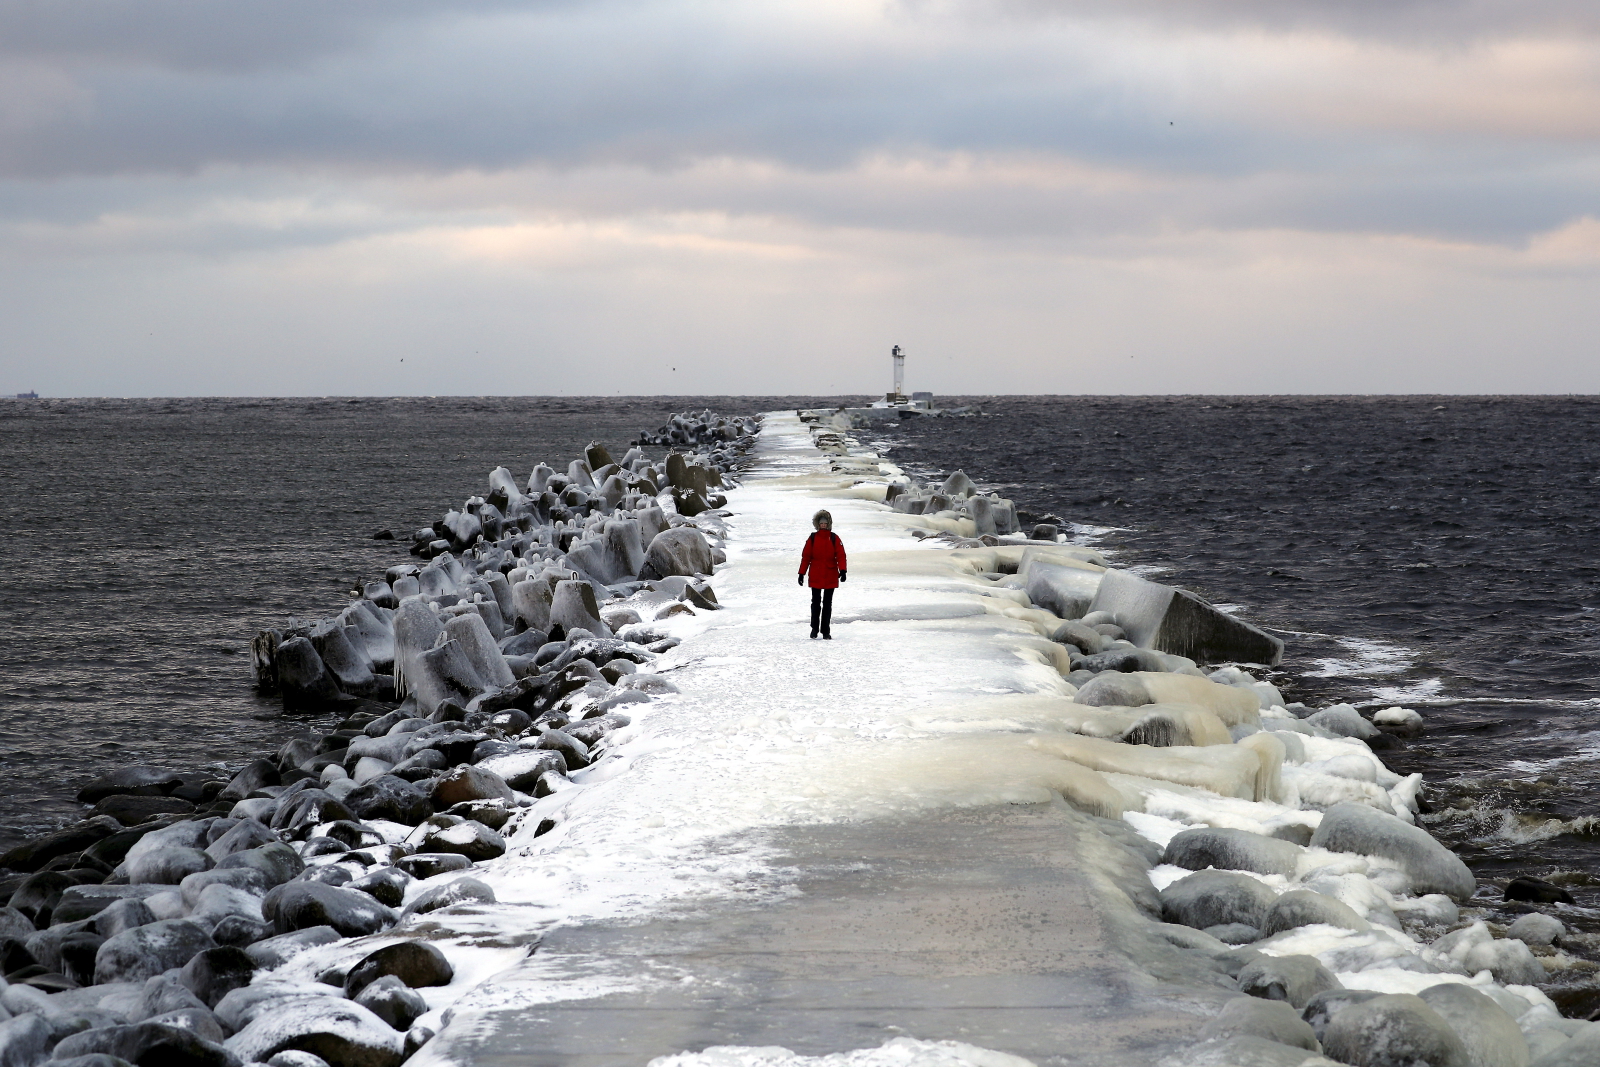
column 824, row 558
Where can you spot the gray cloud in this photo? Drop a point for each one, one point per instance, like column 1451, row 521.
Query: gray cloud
column 476, row 86
column 219, row 36
column 1439, row 23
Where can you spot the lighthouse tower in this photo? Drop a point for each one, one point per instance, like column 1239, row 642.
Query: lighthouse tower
column 899, row 394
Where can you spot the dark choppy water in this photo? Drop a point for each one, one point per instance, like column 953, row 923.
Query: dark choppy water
column 1439, row 553
column 147, row 540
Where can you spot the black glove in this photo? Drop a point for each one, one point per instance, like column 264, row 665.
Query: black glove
column 842, row 576
column 800, row 579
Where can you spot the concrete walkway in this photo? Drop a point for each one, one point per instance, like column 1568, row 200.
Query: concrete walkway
column 826, row 845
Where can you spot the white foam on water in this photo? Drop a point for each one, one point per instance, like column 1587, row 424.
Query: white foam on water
column 1367, row 657
column 898, row 1052
column 1418, row 693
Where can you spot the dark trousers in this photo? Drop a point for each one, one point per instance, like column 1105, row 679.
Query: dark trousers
column 821, row 610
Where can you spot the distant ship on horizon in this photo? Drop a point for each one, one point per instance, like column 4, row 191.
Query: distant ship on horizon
column 29, row 395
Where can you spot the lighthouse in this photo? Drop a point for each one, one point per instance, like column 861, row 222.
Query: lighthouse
column 899, row 394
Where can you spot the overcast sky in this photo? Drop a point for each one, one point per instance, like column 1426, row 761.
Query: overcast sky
column 292, row 197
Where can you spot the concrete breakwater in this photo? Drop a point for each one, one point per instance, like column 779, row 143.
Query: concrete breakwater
column 1007, row 813
column 164, row 928
column 1003, row 815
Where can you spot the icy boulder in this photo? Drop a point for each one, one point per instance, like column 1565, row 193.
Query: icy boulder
column 1172, row 620
column 1431, row 868
column 303, row 905
column 1215, row 898
column 1167, row 725
column 1277, row 1022
column 1303, row 907
column 1232, row 850
column 339, row 1031
column 346, row 661
column 1063, row 588
column 683, row 551
column 1295, row 979
column 1535, row 928
column 1234, row 706
column 1227, row 770
column 1345, row 721
column 1395, row 1029
column 1490, row 1034
column 146, row 951
column 445, row 672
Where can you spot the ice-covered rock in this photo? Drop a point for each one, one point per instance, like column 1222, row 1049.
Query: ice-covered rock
column 468, row 838
column 479, row 647
column 1490, row 1034
column 302, row 905
column 415, row 963
column 387, row 885
column 25, row 1040
column 1430, row 867
column 1303, row 907
column 1509, row 960
column 459, row 891
column 1175, row 726
column 682, row 550
column 1295, row 979
column 468, row 782
column 530, row 604
column 1065, row 588
column 520, row 769
column 1274, row 1021
column 124, row 914
column 1345, row 721
column 1212, row 898
column 339, row 1031
column 1234, row 850
column 393, row 1001
column 1401, row 721
column 277, row 862
column 304, row 682
column 1536, row 928
column 140, row 953
column 424, row 865
column 273, row 952
column 1394, row 1030
column 149, row 1042
column 217, row 901
column 214, row 972
column 249, row 833
column 1232, row 705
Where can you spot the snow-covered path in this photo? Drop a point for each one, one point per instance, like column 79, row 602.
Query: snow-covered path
column 825, row 845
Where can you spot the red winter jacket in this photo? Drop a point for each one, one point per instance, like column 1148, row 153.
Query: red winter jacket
column 824, row 556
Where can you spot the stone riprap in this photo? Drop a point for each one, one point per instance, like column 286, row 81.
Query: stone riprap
column 164, row 927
